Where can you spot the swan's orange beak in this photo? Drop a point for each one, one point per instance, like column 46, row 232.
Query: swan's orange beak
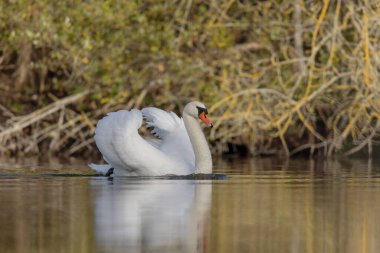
column 204, row 118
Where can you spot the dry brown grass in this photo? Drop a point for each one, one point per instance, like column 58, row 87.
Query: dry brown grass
column 280, row 77
column 323, row 99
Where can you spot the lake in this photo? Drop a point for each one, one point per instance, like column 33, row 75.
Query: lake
column 266, row 205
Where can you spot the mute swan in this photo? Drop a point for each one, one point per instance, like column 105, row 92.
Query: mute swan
column 180, row 147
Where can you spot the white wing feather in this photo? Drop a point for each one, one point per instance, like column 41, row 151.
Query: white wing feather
column 163, row 123
column 129, row 154
column 171, row 130
column 103, row 139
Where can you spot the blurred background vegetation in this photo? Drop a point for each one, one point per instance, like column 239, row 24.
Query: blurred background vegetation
column 279, row 77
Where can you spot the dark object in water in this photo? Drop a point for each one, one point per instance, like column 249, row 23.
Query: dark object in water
column 109, row 172
column 109, row 175
column 199, row 176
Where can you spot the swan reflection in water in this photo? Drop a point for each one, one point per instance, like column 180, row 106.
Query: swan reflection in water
column 150, row 215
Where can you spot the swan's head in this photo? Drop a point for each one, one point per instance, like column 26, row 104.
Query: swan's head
column 198, row 110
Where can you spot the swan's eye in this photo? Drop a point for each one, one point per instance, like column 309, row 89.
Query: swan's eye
column 202, row 110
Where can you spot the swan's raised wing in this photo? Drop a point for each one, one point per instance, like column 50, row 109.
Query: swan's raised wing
column 170, row 129
column 118, row 140
column 104, row 141
column 163, row 123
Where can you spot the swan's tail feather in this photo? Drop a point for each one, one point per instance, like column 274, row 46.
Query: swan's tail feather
column 102, row 169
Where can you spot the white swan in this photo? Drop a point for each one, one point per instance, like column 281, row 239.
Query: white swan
column 180, row 148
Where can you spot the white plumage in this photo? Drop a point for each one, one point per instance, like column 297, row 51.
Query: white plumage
column 171, row 152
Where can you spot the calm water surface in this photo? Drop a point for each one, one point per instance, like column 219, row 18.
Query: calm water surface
column 266, row 205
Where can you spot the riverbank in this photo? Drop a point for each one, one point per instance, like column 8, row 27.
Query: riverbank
column 280, row 78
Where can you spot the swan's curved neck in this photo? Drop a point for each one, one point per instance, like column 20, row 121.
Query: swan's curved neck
column 203, row 160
